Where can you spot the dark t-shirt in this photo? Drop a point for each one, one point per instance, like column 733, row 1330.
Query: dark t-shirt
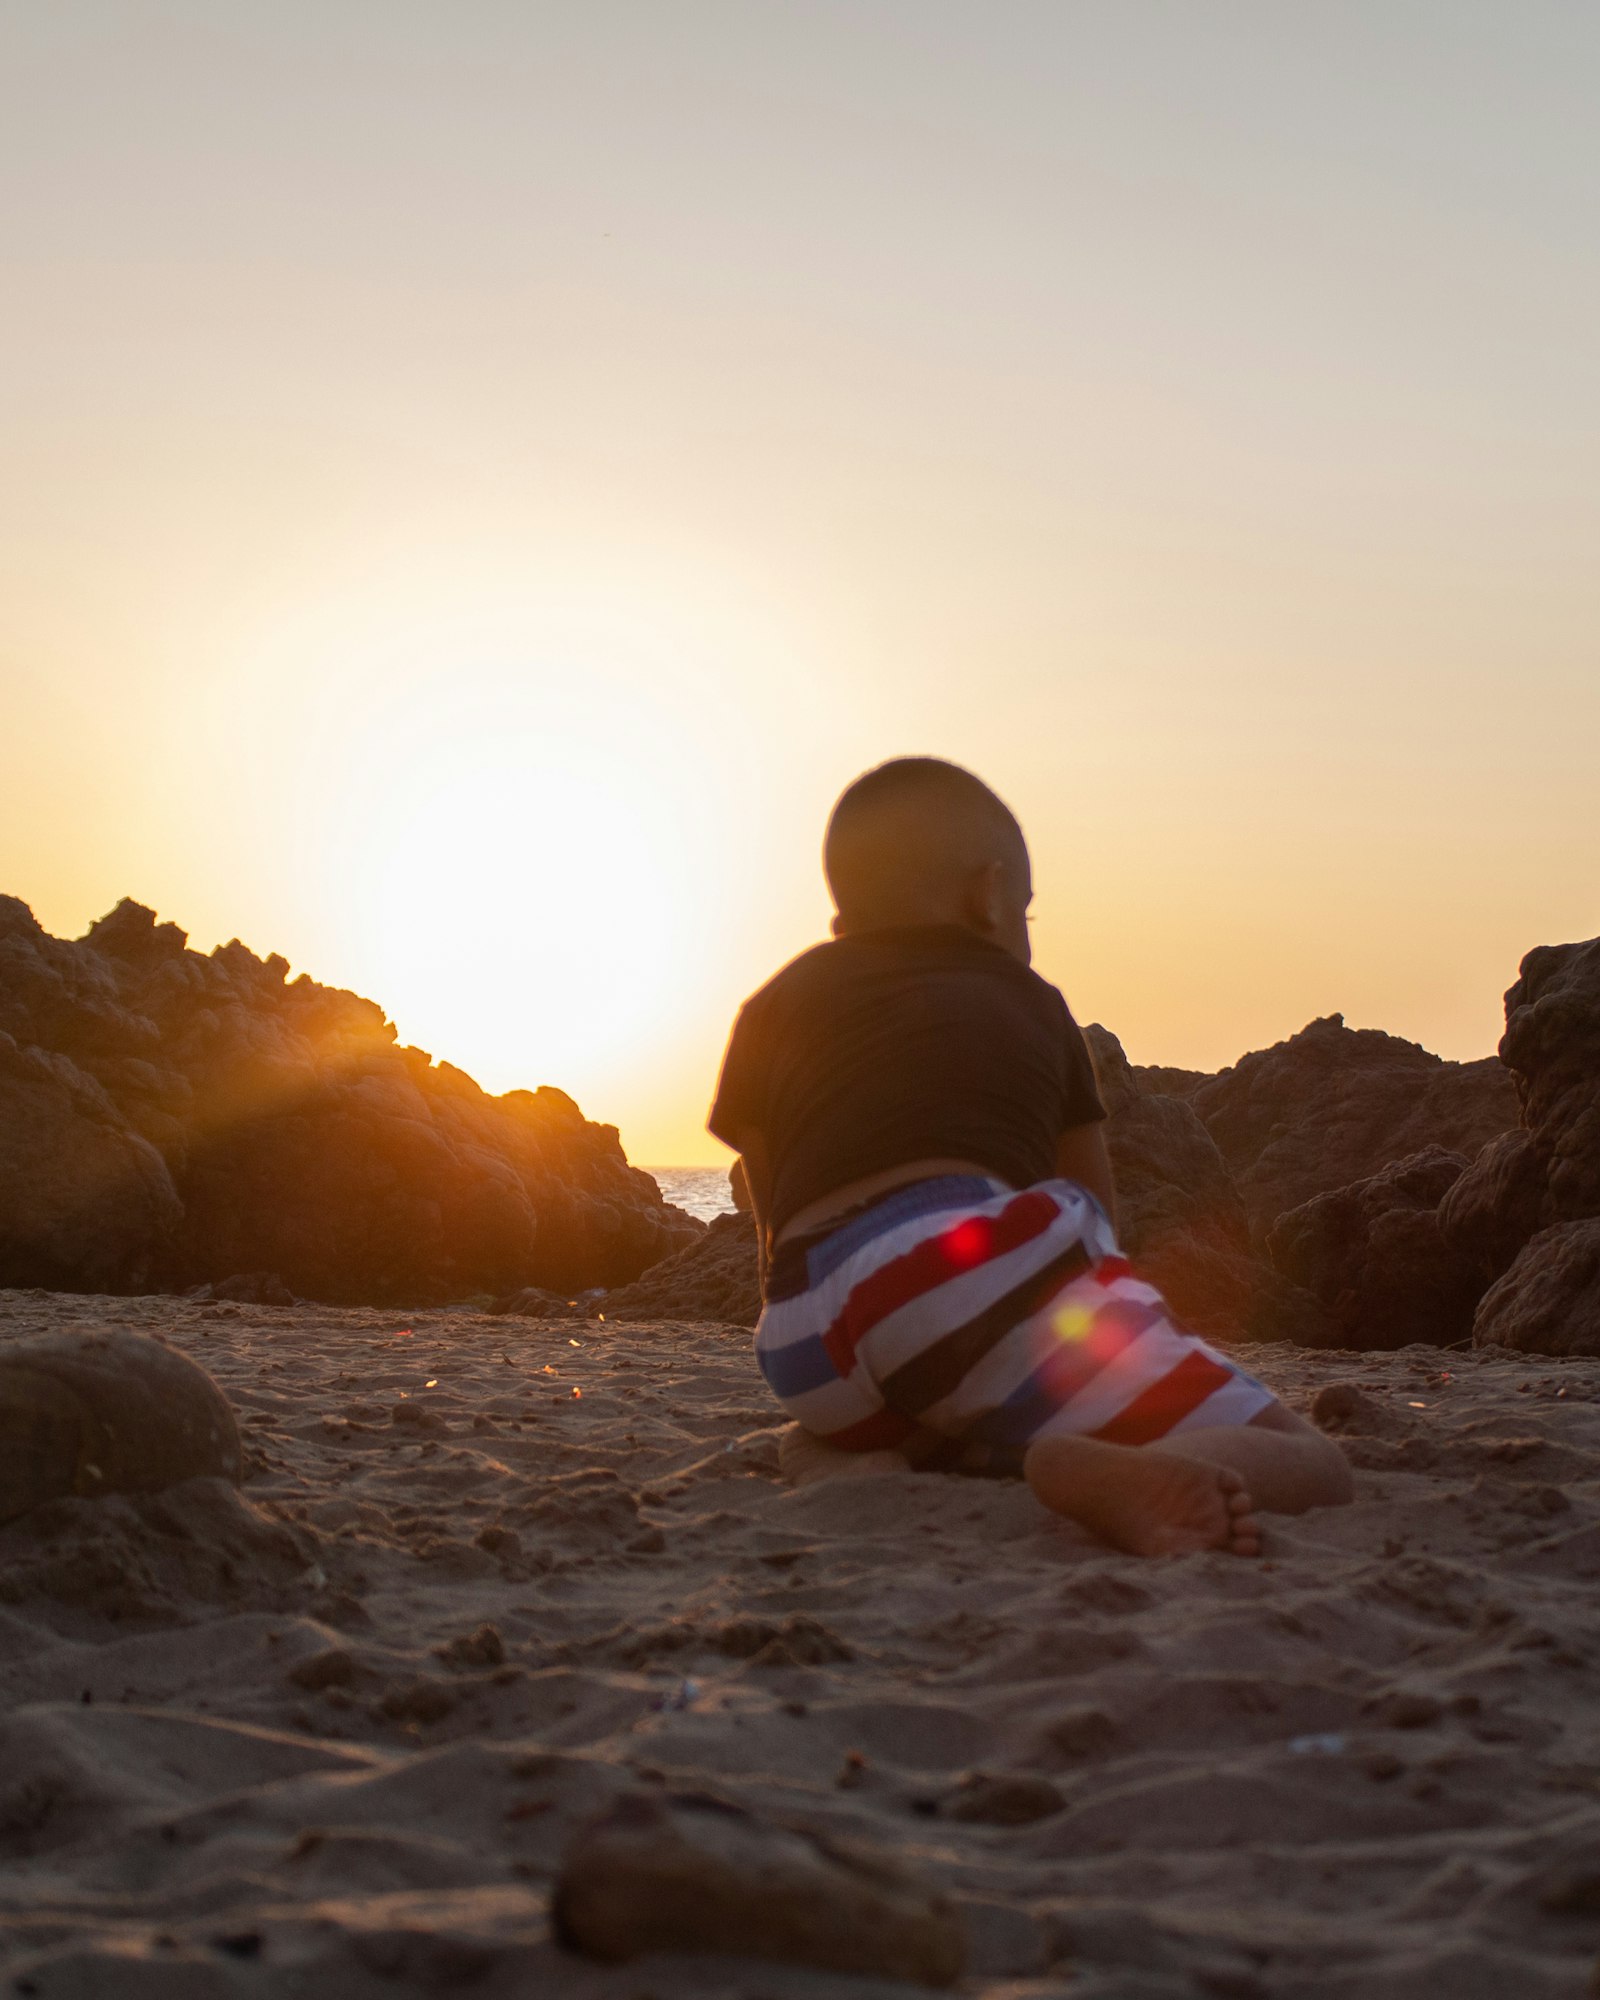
column 896, row 1045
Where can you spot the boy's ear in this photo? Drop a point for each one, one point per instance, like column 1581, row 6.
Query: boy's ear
column 982, row 900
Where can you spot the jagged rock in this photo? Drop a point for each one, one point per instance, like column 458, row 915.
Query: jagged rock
column 1549, row 1300
column 715, row 1278
column 1223, row 1293
column 203, row 1116
column 697, row 1875
column 84, row 1200
column 1552, row 1042
column 1169, row 1174
column 1333, row 1106
column 1165, row 1080
column 1376, row 1258
column 1179, row 1214
column 100, row 1411
column 1501, row 1200
column 1505, row 1212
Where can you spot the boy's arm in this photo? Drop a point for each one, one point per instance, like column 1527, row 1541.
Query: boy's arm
column 758, row 1180
column 1081, row 1156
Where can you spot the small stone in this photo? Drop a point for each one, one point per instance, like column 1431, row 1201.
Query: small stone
column 417, row 1417
column 421, row 1701
column 481, row 1648
column 1338, row 1405
column 1408, row 1708
column 332, row 1669
column 699, row 1875
column 1003, row 1798
column 1571, row 1893
column 1082, row 1732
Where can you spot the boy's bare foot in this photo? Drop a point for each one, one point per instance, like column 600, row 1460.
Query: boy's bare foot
column 1143, row 1499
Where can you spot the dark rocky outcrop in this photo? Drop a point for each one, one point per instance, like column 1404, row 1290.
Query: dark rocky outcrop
column 1334, row 1105
column 1549, row 1300
column 1549, row 1170
column 1501, row 1200
column 1170, row 1175
column 1180, row 1216
column 1552, row 1044
column 712, row 1278
column 1376, row 1258
column 1528, row 1210
column 84, row 1200
column 170, row 1119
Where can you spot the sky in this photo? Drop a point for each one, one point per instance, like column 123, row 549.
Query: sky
column 480, row 478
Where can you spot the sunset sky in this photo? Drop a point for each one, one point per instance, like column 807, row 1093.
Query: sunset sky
column 479, row 478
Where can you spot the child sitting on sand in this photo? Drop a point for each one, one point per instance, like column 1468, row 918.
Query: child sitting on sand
column 921, row 1135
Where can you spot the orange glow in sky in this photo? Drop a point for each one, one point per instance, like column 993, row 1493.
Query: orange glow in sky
column 478, row 481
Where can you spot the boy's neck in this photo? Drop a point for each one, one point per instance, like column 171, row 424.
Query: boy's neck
column 912, row 921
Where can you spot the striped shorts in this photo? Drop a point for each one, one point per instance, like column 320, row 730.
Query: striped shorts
column 990, row 1317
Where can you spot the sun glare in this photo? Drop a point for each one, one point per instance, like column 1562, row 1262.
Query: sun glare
column 510, row 824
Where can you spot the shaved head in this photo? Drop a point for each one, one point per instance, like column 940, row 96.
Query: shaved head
column 915, row 842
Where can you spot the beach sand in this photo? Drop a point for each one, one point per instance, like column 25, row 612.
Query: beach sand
column 331, row 1736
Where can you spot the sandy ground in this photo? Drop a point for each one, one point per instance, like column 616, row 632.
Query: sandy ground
column 331, row 1737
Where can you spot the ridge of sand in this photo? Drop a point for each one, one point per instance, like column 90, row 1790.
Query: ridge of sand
column 331, row 1735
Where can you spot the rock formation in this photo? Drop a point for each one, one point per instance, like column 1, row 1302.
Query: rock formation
column 1498, row 1241
column 713, row 1278
column 1549, row 1300
column 1375, row 1258
column 1179, row 1213
column 1528, row 1209
column 170, row 1119
column 1334, row 1105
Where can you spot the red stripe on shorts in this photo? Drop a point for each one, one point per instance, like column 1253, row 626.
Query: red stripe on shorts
column 975, row 1240
column 1153, row 1413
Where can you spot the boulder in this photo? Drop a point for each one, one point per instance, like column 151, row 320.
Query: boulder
column 91, row 1412
column 84, row 1200
column 1332, row 1106
column 201, row 1116
column 1180, row 1216
column 715, row 1277
column 1549, row 1300
column 1170, row 1175
column 1375, row 1257
column 695, row 1874
column 1552, row 1044
column 1507, row 1211
column 1501, row 1200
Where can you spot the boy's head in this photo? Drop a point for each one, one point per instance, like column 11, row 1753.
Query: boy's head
column 920, row 841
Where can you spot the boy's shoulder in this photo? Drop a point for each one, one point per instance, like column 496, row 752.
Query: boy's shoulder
column 869, row 957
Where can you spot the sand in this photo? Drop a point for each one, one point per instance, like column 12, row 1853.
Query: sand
column 331, row 1735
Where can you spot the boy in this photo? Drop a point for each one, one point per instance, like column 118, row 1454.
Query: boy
column 921, row 1135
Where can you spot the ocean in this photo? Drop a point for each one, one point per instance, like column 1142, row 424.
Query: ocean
column 703, row 1191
